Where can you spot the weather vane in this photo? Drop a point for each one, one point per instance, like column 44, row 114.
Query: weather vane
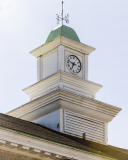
column 62, row 18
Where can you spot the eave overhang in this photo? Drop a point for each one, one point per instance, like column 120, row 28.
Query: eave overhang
column 35, row 147
column 61, row 40
column 58, row 80
column 58, row 99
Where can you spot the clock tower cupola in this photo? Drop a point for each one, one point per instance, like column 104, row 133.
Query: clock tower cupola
column 63, row 99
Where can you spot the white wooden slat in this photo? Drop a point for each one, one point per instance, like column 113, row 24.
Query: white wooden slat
column 82, row 116
column 77, row 124
column 85, row 130
column 88, row 138
column 74, row 124
column 87, row 133
column 85, row 118
column 88, row 125
column 83, row 123
column 75, row 120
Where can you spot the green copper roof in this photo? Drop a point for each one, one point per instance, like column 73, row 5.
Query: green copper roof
column 64, row 31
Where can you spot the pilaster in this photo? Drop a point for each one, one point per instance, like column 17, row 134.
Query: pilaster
column 60, row 58
column 38, row 68
column 86, row 66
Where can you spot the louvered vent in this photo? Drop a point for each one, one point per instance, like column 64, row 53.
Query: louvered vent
column 78, row 124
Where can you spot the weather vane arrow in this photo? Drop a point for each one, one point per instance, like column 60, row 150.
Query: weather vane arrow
column 62, row 18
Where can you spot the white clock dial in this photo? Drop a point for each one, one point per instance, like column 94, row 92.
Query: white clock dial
column 73, row 63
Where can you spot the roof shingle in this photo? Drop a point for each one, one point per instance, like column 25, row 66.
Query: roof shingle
column 48, row 134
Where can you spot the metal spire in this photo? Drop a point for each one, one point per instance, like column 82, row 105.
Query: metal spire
column 62, row 18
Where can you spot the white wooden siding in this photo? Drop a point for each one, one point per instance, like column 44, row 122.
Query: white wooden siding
column 78, row 124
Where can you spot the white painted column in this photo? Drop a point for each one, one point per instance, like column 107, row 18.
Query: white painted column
column 41, row 67
column 106, row 133
column 86, row 67
column 60, row 58
column 38, row 69
column 61, row 120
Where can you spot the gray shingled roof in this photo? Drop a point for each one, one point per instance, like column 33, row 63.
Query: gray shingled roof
column 45, row 133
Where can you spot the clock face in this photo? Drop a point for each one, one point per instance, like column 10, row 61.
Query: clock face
column 73, row 63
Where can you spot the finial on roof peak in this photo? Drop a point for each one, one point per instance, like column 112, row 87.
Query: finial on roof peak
column 62, row 18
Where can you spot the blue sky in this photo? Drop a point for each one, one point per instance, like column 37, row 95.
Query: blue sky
column 25, row 25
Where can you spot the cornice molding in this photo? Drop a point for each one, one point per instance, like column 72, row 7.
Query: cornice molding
column 61, row 40
column 64, row 77
column 73, row 101
column 35, row 147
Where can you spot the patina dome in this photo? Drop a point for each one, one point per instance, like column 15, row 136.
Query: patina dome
column 64, row 31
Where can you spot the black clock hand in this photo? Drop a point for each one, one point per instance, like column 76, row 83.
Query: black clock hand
column 73, row 63
column 70, row 61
